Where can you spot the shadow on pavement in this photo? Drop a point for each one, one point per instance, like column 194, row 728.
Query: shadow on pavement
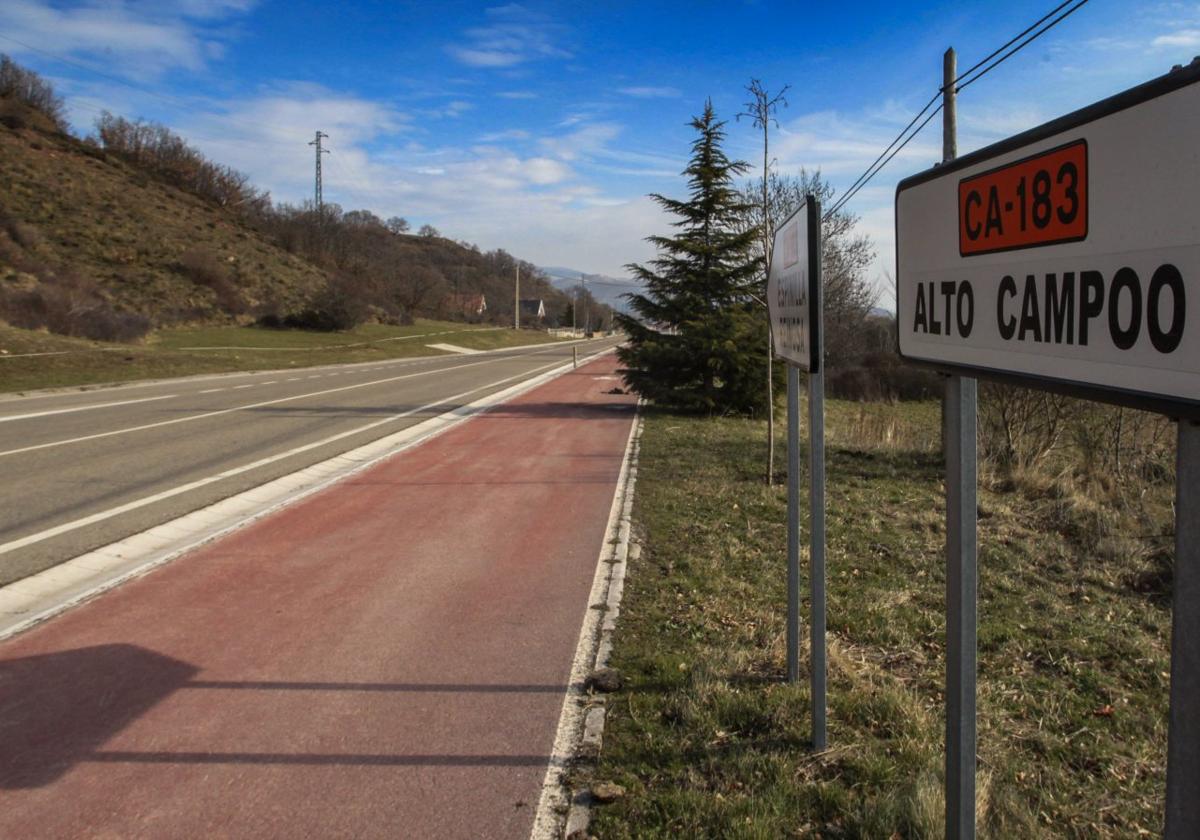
column 58, row 709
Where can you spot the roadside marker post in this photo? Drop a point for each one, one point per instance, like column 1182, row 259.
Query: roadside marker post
column 794, row 305
column 1061, row 259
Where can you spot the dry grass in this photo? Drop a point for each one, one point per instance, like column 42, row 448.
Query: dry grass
column 711, row 742
column 132, row 234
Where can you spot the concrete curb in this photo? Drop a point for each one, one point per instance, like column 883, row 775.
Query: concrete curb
column 563, row 812
column 41, row 596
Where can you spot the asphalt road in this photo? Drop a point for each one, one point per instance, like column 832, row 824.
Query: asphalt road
column 385, row 658
column 82, row 469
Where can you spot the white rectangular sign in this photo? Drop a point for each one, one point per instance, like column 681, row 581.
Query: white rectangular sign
column 794, row 287
column 1067, row 257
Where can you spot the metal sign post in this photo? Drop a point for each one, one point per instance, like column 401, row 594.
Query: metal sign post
column 1065, row 258
column 1183, row 733
column 793, row 524
column 794, row 303
column 959, row 411
column 816, row 501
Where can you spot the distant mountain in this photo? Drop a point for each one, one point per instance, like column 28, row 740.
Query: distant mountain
column 604, row 288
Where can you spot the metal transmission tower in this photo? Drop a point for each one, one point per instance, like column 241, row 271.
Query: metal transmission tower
column 317, row 142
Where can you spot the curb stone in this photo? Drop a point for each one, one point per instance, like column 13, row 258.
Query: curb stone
column 564, row 809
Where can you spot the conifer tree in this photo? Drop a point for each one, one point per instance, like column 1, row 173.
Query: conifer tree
column 696, row 343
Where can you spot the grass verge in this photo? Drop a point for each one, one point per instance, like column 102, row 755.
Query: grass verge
column 30, row 359
column 708, row 739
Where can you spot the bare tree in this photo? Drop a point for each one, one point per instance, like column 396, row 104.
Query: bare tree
column 761, row 109
column 846, row 256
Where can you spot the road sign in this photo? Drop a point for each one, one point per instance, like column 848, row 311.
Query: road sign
column 1062, row 257
column 792, row 287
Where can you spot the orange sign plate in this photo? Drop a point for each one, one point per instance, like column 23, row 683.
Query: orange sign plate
column 1041, row 200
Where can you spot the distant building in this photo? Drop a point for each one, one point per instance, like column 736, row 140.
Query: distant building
column 472, row 306
column 533, row 308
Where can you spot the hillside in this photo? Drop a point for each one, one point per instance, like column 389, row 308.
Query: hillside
column 89, row 225
column 131, row 229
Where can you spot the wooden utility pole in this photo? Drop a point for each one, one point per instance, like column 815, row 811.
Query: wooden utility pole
column 517, row 300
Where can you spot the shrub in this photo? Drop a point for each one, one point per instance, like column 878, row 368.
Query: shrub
column 341, row 305
column 883, row 376
column 205, row 268
column 69, row 303
column 30, row 89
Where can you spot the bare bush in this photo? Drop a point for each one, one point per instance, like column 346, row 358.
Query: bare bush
column 1019, row 427
column 340, row 306
column 157, row 149
column 205, row 268
column 68, row 303
column 28, row 88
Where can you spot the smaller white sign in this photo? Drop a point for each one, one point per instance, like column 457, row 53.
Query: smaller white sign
column 794, row 287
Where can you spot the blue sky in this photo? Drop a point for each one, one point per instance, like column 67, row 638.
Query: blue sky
column 541, row 127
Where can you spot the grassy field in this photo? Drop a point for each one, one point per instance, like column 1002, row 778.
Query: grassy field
column 180, row 352
column 709, row 740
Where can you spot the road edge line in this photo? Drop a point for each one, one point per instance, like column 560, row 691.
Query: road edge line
column 560, row 812
column 32, row 600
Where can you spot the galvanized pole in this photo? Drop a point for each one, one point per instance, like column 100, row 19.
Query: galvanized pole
column 959, row 416
column 793, row 524
column 1183, row 733
column 816, row 498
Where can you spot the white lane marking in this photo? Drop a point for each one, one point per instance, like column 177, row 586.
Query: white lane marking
column 83, row 408
column 294, row 379
column 254, row 405
column 210, row 390
column 451, row 348
column 240, row 387
column 13, row 545
column 30, row 355
column 269, row 382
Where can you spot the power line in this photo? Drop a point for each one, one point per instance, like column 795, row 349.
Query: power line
column 850, row 194
column 1009, row 43
column 1021, row 45
column 867, row 175
column 961, row 81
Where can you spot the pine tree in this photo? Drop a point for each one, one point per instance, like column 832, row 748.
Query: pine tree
column 696, row 342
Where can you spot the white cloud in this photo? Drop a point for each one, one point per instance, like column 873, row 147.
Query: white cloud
column 582, row 141
column 515, row 35
column 1188, row 38
column 131, row 37
column 542, row 170
column 517, row 94
column 651, row 92
column 500, row 136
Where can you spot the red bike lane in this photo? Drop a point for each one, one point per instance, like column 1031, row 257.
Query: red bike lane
column 386, row 658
